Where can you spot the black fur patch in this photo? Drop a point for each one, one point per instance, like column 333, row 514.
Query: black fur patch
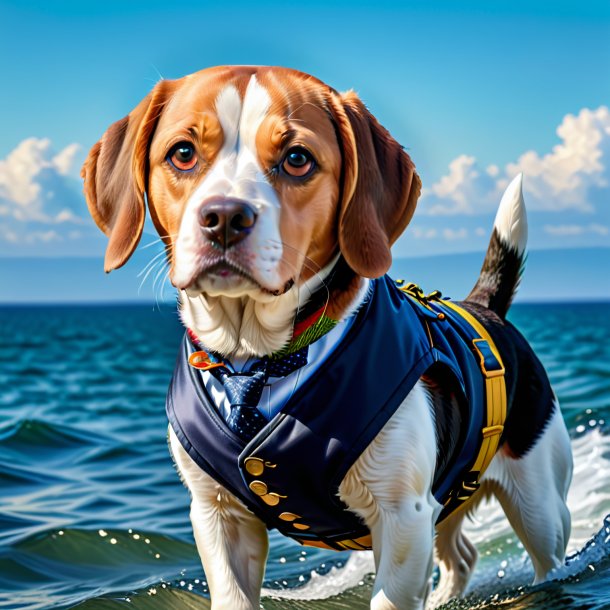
column 499, row 277
column 448, row 416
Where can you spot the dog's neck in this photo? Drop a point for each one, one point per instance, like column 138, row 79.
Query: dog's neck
column 243, row 327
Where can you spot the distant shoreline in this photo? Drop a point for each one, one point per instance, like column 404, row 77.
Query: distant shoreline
column 551, row 276
column 170, row 306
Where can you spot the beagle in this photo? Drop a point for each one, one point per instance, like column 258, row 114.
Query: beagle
column 313, row 394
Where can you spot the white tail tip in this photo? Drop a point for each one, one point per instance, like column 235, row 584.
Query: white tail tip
column 511, row 219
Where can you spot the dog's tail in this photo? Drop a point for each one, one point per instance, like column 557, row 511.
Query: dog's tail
column 505, row 258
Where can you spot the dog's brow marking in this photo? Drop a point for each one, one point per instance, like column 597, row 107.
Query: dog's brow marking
column 241, row 121
column 229, row 109
column 256, row 105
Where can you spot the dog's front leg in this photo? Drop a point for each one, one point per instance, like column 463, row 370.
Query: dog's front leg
column 231, row 541
column 403, row 549
column 389, row 486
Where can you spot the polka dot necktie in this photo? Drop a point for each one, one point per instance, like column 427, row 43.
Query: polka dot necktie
column 244, row 390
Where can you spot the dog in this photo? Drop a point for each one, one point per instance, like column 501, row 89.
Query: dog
column 278, row 200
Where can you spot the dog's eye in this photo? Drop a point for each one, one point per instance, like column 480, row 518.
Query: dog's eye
column 298, row 162
column 182, row 156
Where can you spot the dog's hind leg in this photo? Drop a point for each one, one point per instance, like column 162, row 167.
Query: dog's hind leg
column 532, row 490
column 231, row 541
column 457, row 558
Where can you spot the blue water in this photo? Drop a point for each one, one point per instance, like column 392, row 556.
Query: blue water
column 92, row 513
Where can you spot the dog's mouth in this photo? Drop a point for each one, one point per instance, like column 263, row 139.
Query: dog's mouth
column 228, row 277
column 226, row 270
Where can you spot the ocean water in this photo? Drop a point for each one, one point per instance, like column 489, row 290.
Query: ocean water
column 92, row 513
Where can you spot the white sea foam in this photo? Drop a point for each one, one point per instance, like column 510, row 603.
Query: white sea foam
column 335, row 582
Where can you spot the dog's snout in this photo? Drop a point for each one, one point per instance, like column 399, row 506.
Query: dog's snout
column 225, row 222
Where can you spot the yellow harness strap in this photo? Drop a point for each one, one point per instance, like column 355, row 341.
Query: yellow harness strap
column 495, row 393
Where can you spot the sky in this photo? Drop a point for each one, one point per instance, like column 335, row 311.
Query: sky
column 475, row 91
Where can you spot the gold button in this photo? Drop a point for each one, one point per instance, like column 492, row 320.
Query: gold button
column 300, row 526
column 289, row 517
column 254, row 466
column 272, row 499
column 259, row 488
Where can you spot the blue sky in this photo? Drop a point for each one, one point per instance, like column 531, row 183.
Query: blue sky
column 475, row 91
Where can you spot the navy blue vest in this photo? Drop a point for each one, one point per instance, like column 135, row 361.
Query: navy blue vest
column 289, row 473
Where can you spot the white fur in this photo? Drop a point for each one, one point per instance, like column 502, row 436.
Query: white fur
column 532, row 491
column 390, row 487
column 511, row 218
column 242, row 327
column 231, row 541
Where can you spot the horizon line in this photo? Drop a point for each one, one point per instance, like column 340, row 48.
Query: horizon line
column 157, row 304
column 409, row 256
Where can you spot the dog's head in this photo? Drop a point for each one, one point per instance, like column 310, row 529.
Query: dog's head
column 255, row 178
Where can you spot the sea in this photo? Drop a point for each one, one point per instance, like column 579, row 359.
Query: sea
column 93, row 514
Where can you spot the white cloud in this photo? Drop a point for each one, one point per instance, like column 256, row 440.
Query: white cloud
column 42, row 208
column 571, row 230
column 455, row 193
column 453, row 234
column 574, row 176
column 68, row 216
column 30, row 237
column 447, row 234
column 36, row 185
column 65, row 160
column 419, row 233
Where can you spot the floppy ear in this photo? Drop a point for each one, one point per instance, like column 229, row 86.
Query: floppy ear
column 116, row 176
column 380, row 188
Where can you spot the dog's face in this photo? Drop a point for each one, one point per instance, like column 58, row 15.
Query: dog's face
column 244, row 177
column 255, row 178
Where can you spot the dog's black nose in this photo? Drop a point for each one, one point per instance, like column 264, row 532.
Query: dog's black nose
column 225, row 222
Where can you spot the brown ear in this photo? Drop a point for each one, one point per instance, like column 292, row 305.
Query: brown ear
column 380, row 188
column 115, row 174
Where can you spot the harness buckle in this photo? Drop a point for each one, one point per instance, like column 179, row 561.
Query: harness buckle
column 490, row 365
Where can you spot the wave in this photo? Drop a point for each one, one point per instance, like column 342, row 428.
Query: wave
column 581, row 584
column 93, row 567
column 155, row 572
column 90, row 562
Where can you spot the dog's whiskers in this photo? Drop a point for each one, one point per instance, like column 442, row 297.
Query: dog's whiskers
column 152, row 267
column 151, row 262
column 157, row 263
column 161, row 284
column 159, row 239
